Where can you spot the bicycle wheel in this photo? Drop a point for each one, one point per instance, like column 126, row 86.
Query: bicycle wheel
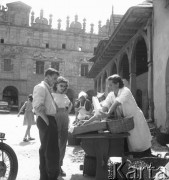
column 8, row 163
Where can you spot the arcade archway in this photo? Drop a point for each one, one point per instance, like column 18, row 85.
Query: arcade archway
column 113, row 69
column 10, row 94
column 141, row 65
column 124, row 67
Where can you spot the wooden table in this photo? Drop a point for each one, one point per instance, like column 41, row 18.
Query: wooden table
column 102, row 146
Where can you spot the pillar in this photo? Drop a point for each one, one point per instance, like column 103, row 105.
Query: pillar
column 150, row 72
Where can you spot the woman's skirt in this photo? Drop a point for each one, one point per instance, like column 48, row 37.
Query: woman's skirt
column 29, row 118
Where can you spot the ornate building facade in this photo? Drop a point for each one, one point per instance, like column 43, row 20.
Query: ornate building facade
column 29, row 45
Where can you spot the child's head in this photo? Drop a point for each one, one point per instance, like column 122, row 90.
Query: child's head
column 82, row 96
column 61, row 85
column 30, row 97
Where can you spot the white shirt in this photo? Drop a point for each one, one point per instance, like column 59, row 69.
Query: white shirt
column 61, row 100
column 42, row 96
column 140, row 136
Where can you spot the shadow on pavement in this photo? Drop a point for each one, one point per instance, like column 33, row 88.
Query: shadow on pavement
column 26, row 143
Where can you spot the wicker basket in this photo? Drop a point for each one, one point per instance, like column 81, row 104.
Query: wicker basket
column 120, row 125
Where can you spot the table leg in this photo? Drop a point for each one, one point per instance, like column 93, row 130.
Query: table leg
column 101, row 149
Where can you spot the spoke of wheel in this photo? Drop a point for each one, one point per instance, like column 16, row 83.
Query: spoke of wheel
column 6, row 160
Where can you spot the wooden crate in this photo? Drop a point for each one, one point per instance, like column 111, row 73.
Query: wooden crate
column 90, row 128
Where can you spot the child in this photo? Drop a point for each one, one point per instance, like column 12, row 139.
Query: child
column 28, row 117
column 83, row 108
column 64, row 106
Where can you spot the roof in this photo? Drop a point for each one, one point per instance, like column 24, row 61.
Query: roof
column 117, row 18
column 18, row 4
column 135, row 18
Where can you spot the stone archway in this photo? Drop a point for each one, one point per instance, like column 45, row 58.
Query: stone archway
column 10, row 94
column 139, row 68
column 113, row 69
column 124, row 67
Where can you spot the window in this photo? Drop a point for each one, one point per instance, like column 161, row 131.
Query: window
column 55, row 65
column 84, row 69
column 39, row 67
column 8, row 65
column 63, row 46
column 2, row 41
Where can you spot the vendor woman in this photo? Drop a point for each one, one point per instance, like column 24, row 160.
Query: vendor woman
column 121, row 98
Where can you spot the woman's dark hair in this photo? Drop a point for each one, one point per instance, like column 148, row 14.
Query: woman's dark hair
column 60, row 79
column 51, row 72
column 115, row 78
column 30, row 97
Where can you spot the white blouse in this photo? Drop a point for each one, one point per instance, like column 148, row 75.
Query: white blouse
column 140, row 136
column 61, row 100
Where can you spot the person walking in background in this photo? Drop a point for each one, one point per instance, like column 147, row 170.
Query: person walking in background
column 64, row 107
column 28, row 117
column 45, row 109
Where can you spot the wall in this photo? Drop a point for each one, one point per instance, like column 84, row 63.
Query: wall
column 160, row 58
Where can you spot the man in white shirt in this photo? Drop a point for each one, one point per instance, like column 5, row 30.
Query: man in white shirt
column 45, row 110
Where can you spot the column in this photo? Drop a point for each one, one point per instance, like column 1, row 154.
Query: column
column 150, row 72
column 97, row 85
column 132, row 69
column 150, row 90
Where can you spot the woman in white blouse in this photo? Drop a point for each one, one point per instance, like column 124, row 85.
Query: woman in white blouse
column 64, row 107
column 121, row 97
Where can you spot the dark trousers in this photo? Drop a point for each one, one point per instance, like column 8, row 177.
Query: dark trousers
column 49, row 149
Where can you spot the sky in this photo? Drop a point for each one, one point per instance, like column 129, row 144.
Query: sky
column 92, row 10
